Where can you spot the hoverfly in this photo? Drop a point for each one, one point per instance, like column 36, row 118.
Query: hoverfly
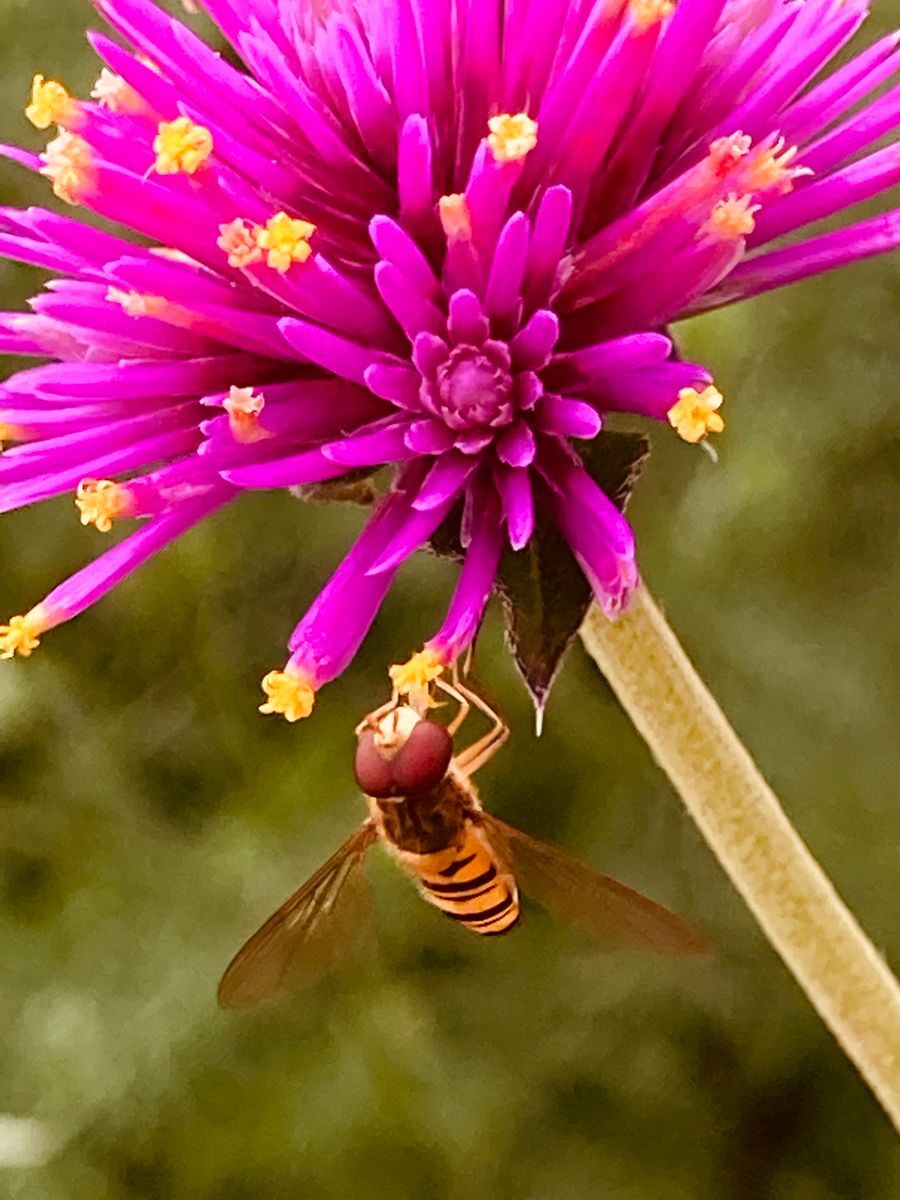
column 424, row 808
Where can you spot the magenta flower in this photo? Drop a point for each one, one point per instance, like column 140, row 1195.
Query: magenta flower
column 444, row 235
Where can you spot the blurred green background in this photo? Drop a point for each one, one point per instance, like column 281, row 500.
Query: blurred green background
column 151, row 819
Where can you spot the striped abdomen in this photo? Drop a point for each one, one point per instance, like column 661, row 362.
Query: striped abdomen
column 467, row 883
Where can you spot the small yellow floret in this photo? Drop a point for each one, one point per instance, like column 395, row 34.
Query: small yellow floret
column 286, row 241
column 68, row 164
column 732, row 218
column 112, row 92
column 512, row 136
column 102, row 501
column 646, row 13
column 137, row 304
column 50, row 103
column 244, row 402
column 239, row 241
column 414, row 677
column 726, row 152
column 456, row 220
column 23, row 634
column 696, row 413
column 181, row 147
column 243, row 407
column 290, row 693
column 770, row 169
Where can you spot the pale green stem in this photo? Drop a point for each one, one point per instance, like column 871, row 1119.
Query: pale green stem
column 796, row 904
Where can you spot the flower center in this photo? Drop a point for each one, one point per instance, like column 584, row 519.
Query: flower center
column 473, row 388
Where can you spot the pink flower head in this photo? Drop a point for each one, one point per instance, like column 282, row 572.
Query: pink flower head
column 447, row 236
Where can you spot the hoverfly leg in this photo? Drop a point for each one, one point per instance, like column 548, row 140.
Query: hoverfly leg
column 373, row 718
column 482, row 705
column 464, row 707
column 470, row 654
column 475, row 756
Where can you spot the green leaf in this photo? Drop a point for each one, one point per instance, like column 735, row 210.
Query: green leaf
column 544, row 593
column 545, row 597
column 616, row 460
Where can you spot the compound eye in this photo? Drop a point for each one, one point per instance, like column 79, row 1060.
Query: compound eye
column 373, row 771
column 423, row 761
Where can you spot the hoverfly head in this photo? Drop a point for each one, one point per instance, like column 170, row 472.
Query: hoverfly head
column 402, row 754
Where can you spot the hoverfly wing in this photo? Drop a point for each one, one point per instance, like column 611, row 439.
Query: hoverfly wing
column 309, row 933
column 584, row 897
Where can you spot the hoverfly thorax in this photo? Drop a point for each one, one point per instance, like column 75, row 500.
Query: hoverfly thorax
column 402, row 754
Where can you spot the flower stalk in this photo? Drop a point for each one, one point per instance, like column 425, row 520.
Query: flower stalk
column 819, row 939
